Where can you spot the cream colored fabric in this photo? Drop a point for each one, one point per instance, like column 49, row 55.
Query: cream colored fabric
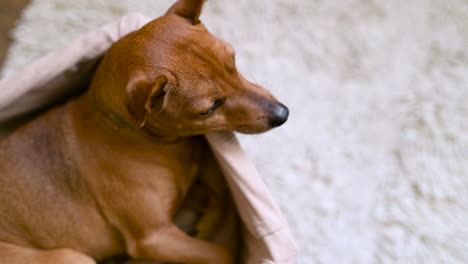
column 267, row 235
column 62, row 71
column 269, row 238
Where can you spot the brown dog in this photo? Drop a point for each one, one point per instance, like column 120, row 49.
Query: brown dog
column 105, row 174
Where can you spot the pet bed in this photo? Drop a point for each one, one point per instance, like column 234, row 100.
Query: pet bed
column 266, row 235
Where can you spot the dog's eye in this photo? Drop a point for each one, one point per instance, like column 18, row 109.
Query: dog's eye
column 216, row 104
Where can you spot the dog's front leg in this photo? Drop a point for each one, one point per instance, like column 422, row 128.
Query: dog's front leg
column 170, row 244
column 144, row 218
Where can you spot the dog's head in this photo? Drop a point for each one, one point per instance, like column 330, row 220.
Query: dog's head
column 183, row 81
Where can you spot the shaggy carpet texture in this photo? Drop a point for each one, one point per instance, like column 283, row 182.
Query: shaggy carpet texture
column 372, row 166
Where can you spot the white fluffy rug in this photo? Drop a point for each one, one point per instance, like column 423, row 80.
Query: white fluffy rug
column 372, row 166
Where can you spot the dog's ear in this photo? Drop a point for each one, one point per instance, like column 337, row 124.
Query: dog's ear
column 189, row 9
column 144, row 97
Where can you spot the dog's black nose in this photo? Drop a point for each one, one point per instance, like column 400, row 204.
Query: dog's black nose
column 280, row 115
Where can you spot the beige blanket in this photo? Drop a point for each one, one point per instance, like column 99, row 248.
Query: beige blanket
column 62, row 73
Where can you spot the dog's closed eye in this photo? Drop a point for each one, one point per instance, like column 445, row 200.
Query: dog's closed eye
column 216, row 104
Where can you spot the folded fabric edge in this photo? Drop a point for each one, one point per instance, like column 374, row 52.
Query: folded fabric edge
column 260, row 214
column 17, row 87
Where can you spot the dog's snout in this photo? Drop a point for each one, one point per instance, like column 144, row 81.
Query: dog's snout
column 280, row 115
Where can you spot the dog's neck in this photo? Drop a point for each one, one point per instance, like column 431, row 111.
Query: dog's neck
column 93, row 113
